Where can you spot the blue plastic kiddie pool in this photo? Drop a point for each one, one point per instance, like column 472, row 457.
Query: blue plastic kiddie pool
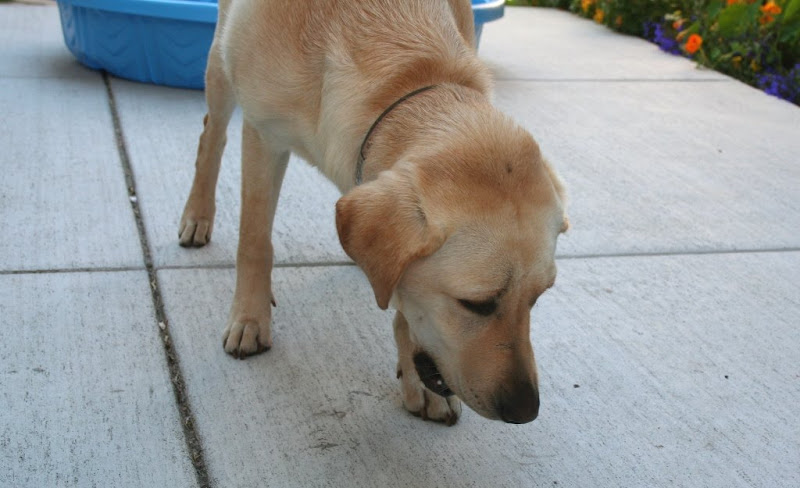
column 163, row 41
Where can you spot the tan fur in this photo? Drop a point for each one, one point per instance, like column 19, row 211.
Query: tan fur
column 457, row 202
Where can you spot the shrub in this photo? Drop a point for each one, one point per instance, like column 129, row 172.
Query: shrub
column 756, row 41
column 541, row 3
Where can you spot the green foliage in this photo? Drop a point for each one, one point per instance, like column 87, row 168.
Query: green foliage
column 756, row 41
column 626, row 16
column 540, row 3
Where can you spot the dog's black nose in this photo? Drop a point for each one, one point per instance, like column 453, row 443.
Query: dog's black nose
column 520, row 405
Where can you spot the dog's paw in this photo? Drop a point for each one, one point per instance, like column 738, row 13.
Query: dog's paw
column 196, row 226
column 426, row 404
column 247, row 337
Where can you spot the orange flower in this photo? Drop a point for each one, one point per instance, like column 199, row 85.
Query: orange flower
column 731, row 2
column 693, row 44
column 618, row 21
column 585, row 4
column 771, row 8
column 598, row 16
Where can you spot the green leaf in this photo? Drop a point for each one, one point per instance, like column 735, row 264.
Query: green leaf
column 733, row 20
column 792, row 9
column 715, row 8
column 738, row 47
column 692, row 29
column 790, row 31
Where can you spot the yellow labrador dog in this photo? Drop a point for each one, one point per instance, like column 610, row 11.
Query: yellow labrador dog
column 448, row 207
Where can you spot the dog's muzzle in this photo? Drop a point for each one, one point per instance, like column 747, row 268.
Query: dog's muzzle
column 430, row 375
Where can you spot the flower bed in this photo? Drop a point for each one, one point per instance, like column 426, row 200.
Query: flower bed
column 756, row 41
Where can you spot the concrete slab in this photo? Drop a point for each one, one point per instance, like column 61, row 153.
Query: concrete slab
column 85, row 393
column 665, row 167
column 549, row 44
column 161, row 128
column 675, row 370
column 645, row 163
column 63, row 199
column 33, row 46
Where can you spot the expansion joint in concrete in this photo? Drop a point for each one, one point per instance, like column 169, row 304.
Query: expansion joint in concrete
column 191, row 437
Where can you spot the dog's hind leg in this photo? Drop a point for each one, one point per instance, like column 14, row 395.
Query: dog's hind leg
column 197, row 221
column 263, row 166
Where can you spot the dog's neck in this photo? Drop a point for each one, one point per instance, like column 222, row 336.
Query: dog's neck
column 410, row 124
column 365, row 144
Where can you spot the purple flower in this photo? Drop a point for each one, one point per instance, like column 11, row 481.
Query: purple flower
column 656, row 33
column 785, row 86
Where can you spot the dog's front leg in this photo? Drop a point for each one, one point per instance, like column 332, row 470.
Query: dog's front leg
column 263, row 166
column 197, row 221
column 417, row 399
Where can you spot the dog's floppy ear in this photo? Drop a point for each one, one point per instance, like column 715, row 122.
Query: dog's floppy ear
column 383, row 227
column 558, row 184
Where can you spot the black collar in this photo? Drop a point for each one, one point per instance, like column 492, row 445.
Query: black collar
column 360, row 164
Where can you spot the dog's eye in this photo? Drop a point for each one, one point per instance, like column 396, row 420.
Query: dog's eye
column 481, row 308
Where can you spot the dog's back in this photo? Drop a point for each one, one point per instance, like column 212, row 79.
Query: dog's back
column 324, row 68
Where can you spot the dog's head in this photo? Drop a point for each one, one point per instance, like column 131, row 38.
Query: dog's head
column 460, row 238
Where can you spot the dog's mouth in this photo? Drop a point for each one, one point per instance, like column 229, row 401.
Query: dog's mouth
column 430, row 375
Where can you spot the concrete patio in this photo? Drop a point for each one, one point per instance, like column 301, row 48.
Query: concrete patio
column 668, row 351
